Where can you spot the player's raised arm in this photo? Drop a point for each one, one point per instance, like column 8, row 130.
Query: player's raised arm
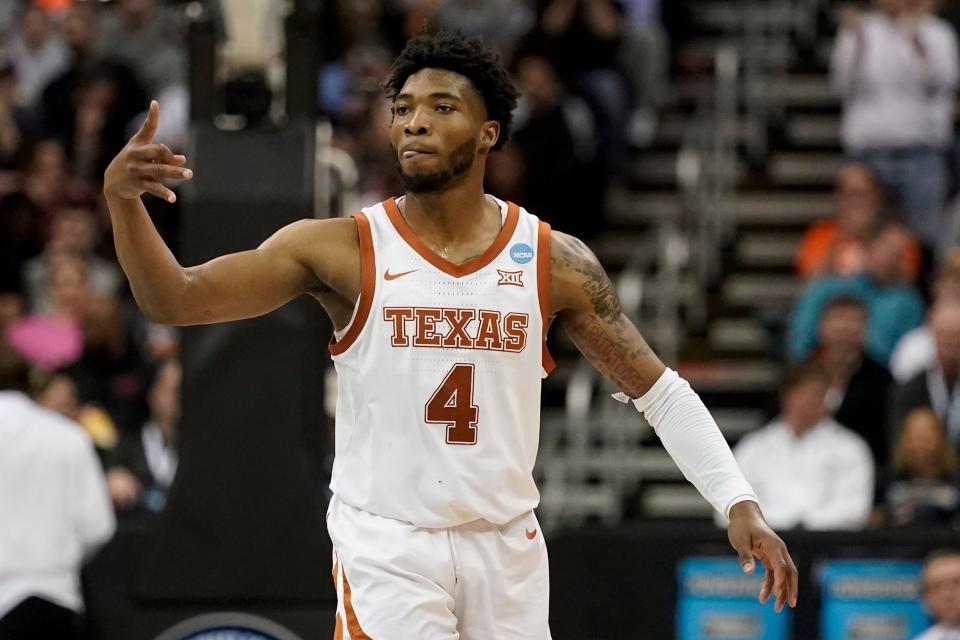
column 586, row 305
column 232, row 287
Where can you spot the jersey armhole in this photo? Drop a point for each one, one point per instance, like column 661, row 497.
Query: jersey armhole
column 368, row 283
column 543, row 293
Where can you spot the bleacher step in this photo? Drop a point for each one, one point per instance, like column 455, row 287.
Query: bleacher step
column 768, row 250
column 805, row 169
column 761, row 290
column 675, row 501
column 738, row 334
column 814, row 130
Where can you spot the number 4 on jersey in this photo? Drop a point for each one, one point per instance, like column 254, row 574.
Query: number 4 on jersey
column 452, row 405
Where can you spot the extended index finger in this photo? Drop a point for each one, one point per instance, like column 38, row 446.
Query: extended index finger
column 149, row 127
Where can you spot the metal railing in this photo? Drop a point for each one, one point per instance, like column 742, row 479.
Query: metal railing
column 670, row 268
column 335, row 177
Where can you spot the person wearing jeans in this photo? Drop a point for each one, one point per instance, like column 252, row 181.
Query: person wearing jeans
column 896, row 70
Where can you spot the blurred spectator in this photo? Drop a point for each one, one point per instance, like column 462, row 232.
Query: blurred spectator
column 58, row 392
column 160, row 342
column 74, row 231
column 54, row 339
column 55, row 511
column 915, row 351
column 859, row 384
column 894, row 308
column 12, row 302
column 940, row 583
column 938, row 386
column 500, row 23
column 21, row 231
column 54, row 7
column 143, row 465
column 838, row 245
column 8, row 19
column 553, row 134
column 363, row 116
column 582, row 40
column 896, row 70
column 47, row 184
column 105, row 364
column 37, row 53
column 924, row 487
column 833, row 462
column 645, row 60
column 147, row 36
column 89, row 105
column 18, row 128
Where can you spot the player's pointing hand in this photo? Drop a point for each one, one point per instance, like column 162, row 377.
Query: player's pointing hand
column 753, row 538
column 143, row 165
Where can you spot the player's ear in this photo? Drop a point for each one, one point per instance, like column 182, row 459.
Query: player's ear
column 489, row 134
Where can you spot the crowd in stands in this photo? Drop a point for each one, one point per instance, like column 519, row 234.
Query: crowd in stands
column 74, row 79
column 869, row 431
column 874, row 336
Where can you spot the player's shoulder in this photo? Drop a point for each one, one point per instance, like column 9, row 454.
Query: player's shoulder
column 310, row 233
column 577, row 279
column 569, row 252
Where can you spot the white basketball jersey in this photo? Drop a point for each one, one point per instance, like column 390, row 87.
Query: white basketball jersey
column 438, row 406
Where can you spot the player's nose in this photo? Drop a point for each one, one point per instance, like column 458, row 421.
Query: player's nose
column 418, row 124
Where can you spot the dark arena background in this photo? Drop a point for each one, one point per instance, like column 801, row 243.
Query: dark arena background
column 767, row 182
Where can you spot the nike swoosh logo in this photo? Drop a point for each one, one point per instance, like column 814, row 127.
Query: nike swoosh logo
column 531, row 534
column 393, row 276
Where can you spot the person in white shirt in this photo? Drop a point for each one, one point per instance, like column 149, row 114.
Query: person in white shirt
column 915, row 352
column 938, row 386
column 941, row 594
column 37, row 52
column 55, row 512
column 808, row 471
column 896, row 70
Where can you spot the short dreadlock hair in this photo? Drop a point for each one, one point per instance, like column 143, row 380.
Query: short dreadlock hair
column 468, row 56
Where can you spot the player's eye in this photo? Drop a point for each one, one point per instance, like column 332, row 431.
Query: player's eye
column 445, row 108
column 399, row 109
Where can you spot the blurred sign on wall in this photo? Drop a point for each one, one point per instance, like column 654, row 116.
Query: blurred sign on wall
column 717, row 601
column 871, row 600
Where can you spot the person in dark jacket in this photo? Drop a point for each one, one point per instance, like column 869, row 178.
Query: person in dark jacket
column 144, row 462
column 860, row 385
column 938, row 386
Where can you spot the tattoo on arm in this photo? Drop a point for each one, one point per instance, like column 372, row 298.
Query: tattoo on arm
column 599, row 329
column 575, row 258
column 611, row 354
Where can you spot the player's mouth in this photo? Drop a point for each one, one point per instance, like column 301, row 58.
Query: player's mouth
column 416, row 152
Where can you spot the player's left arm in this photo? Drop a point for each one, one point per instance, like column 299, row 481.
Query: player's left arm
column 585, row 304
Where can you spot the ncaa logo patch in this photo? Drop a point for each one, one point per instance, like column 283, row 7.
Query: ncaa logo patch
column 521, row 253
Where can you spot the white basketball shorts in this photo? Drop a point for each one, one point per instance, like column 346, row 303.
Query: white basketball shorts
column 477, row 581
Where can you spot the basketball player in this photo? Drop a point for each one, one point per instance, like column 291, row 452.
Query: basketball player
column 441, row 300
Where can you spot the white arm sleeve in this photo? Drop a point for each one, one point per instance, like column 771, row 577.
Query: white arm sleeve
column 693, row 440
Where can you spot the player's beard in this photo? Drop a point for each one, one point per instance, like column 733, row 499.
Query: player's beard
column 461, row 159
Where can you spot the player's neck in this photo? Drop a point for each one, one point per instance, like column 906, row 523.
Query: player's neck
column 447, row 216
